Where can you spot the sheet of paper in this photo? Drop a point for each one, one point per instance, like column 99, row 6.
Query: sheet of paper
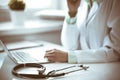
column 22, row 45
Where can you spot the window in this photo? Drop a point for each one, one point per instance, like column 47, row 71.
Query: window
column 3, row 3
column 33, row 6
column 40, row 4
column 33, row 24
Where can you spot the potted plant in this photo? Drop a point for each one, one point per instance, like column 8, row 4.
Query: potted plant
column 16, row 4
column 17, row 8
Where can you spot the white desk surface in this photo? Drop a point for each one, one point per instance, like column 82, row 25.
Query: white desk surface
column 30, row 27
column 96, row 71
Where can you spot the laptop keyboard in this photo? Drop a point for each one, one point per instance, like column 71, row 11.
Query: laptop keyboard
column 22, row 57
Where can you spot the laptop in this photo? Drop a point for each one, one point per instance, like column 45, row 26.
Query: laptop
column 31, row 55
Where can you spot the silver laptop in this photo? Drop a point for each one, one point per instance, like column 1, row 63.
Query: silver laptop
column 26, row 56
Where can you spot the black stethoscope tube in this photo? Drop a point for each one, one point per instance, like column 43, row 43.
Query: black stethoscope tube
column 42, row 70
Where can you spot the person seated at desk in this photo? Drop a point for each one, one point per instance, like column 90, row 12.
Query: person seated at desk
column 95, row 26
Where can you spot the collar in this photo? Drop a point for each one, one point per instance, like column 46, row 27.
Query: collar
column 98, row 1
column 90, row 3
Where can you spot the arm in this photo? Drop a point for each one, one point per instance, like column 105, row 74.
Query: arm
column 70, row 32
column 69, row 36
column 110, row 51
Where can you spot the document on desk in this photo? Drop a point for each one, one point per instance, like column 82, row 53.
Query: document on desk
column 22, row 45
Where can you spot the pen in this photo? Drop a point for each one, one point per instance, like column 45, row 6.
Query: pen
column 40, row 45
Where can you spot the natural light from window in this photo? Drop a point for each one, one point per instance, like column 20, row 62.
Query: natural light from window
column 39, row 4
column 35, row 4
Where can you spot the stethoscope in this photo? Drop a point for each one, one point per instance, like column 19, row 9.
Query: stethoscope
column 41, row 71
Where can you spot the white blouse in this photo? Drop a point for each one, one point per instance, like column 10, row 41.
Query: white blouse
column 96, row 32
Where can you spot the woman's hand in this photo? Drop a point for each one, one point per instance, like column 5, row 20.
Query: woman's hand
column 73, row 7
column 55, row 55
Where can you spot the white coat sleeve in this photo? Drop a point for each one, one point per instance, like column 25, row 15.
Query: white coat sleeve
column 69, row 35
column 69, row 39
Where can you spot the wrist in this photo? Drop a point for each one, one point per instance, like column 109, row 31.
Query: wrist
column 72, row 13
column 71, row 20
column 72, row 57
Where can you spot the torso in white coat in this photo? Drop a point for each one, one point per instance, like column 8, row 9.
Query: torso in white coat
column 96, row 31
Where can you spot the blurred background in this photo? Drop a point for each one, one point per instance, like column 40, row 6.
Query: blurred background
column 43, row 21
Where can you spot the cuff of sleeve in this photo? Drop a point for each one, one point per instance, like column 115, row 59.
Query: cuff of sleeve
column 71, row 20
column 72, row 57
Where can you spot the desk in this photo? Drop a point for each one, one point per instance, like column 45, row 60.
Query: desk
column 33, row 29
column 97, row 71
column 30, row 27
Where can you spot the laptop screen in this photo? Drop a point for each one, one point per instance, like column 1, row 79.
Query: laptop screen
column 2, row 55
column 32, row 55
column 3, row 47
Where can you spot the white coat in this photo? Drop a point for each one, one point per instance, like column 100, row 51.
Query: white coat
column 97, row 32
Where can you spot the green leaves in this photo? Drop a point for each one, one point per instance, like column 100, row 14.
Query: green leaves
column 16, row 5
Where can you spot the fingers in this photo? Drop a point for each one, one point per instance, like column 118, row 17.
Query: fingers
column 50, row 58
column 50, row 55
column 56, row 55
column 51, row 50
